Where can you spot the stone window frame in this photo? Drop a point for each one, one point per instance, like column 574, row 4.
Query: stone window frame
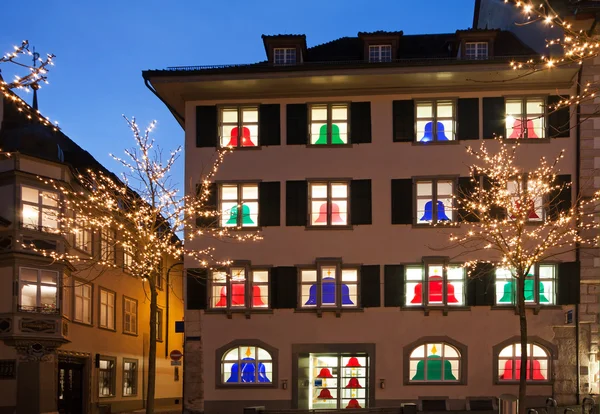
column 113, row 379
column 114, row 304
column 76, row 282
column 462, row 349
column 134, row 373
column 546, row 345
column 220, row 353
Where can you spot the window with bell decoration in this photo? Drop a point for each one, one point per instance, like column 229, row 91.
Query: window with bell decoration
column 239, row 287
column 238, row 204
column 509, row 363
column 328, row 124
column 238, row 126
column 434, row 362
column 328, row 286
column 246, row 364
column 328, row 203
column 526, row 203
column 525, row 118
column 435, row 121
column 540, row 286
column 434, row 201
column 434, row 284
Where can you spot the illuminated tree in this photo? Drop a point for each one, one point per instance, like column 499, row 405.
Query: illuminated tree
column 521, row 217
column 146, row 210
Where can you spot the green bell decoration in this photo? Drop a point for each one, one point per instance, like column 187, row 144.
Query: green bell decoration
column 233, row 217
column 509, row 291
column 335, row 135
column 434, row 370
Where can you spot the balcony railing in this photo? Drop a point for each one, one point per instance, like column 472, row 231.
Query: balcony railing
column 46, row 310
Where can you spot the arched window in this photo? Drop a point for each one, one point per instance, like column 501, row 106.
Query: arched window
column 247, row 364
column 435, row 362
column 509, row 363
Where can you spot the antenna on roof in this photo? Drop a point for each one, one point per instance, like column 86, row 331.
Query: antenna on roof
column 35, row 86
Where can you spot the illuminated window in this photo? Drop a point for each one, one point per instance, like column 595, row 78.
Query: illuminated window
column 540, row 286
column 239, row 205
column 509, row 363
column 38, row 290
column 435, row 285
column 329, row 286
column 39, row 209
column 328, row 203
column 525, row 118
column 435, row 362
column 83, row 236
column 107, row 309
column 528, row 202
column 328, row 124
column 129, row 315
column 107, row 372
column 83, row 302
column 240, row 288
column 239, row 126
column 435, row 121
column 476, row 50
column 284, row 56
column 380, row 53
column 130, row 377
column 108, row 240
column 128, row 257
column 434, row 201
column 246, row 365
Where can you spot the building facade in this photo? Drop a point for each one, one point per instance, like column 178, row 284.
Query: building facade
column 344, row 155
column 72, row 339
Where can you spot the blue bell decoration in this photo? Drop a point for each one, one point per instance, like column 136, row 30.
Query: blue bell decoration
column 245, row 216
column 248, row 372
column 428, row 133
column 328, row 297
column 441, row 212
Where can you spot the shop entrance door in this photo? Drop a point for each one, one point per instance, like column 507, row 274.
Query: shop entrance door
column 70, row 387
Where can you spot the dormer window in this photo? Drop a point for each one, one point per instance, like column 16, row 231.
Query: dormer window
column 476, row 50
column 284, row 56
column 380, row 53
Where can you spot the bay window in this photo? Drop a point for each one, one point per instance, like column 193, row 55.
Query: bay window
column 38, row 290
column 39, row 209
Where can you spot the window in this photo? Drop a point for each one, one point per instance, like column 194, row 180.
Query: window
column 107, row 309
column 509, row 363
column 83, row 302
column 328, row 124
column 159, row 274
column 159, row 325
column 435, row 285
column 434, row 201
column 380, row 53
column 476, row 50
column 66, row 298
column 247, row 364
column 234, row 290
column 239, row 126
column 435, row 121
column 284, row 56
column 83, row 236
column 236, row 197
column 38, row 290
column 39, row 209
column 129, row 377
column 328, row 203
column 108, row 240
column 129, row 315
column 329, row 286
column 525, row 118
column 540, row 286
column 528, row 202
column 435, row 362
column 106, row 377
column 128, row 257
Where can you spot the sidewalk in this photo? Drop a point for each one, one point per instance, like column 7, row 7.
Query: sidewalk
column 170, row 409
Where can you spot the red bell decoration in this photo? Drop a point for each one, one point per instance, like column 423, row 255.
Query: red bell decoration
column 531, row 214
column 325, row 394
column 353, row 383
column 335, row 214
column 435, row 291
column 353, row 363
column 238, row 292
column 246, row 141
column 353, row 403
column 325, row 373
column 519, row 132
column 508, row 370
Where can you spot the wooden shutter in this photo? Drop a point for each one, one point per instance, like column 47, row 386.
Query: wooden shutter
column 269, row 125
column 296, row 203
column 560, row 200
column 207, row 125
column 568, row 283
column 494, row 117
column 480, row 285
column 269, row 206
column 393, row 286
column 210, row 205
column 284, row 287
column 404, row 120
column 360, row 202
column 496, row 212
column 297, row 124
column 466, row 187
column 369, row 286
column 360, row 122
column 402, row 201
column 559, row 121
column 197, row 280
column 468, row 118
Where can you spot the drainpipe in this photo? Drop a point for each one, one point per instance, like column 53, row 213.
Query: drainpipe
column 167, row 328
column 577, row 246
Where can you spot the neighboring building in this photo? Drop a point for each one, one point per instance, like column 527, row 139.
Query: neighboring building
column 583, row 15
column 70, row 341
column 345, row 153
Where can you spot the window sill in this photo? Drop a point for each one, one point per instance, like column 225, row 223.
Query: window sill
column 247, row 312
column 513, row 383
column 437, row 226
column 443, row 308
column 349, row 227
column 129, row 395
column 107, row 329
column 130, row 333
column 529, row 140
column 252, row 148
column 535, row 307
column 428, row 143
column 253, row 228
column 338, row 311
column 330, row 146
column 89, row 325
column 438, row 383
column 234, row 385
column 106, row 396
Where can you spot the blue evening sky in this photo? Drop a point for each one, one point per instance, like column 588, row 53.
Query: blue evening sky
column 101, row 47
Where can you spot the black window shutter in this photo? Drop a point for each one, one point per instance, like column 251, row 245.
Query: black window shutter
column 568, row 283
column 297, row 124
column 296, row 203
column 369, row 286
column 496, row 212
column 269, row 195
column 468, row 118
column 560, row 199
column 480, row 285
column 466, row 187
column 210, row 205
column 558, row 120
column 404, row 120
column 402, row 201
column 494, row 115
column 207, row 124
column 360, row 202
column 360, row 122
column 269, row 124
column 393, row 285
column 197, row 279
column 284, row 287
